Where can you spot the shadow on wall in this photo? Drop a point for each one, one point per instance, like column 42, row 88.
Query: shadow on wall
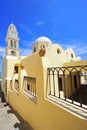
column 23, row 125
column 2, row 96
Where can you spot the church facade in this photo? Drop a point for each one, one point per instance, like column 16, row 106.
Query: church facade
column 45, row 87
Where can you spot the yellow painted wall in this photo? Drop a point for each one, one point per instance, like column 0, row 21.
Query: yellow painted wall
column 75, row 63
column 42, row 115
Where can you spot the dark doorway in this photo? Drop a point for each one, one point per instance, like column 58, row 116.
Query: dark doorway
column 75, row 82
column 60, row 84
column 28, row 87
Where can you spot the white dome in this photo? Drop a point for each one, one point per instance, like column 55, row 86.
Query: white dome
column 43, row 39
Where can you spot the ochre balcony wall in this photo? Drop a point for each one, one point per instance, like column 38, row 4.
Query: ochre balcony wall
column 42, row 114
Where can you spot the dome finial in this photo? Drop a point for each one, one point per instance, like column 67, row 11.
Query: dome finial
column 12, row 22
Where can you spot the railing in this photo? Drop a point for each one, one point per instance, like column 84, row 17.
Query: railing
column 68, row 84
column 29, row 85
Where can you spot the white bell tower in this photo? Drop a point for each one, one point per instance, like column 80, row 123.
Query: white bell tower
column 12, row 41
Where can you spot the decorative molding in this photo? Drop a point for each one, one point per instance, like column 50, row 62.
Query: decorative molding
column 42, row 52
column 22, row 67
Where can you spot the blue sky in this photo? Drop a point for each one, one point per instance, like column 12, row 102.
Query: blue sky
column 63, row 21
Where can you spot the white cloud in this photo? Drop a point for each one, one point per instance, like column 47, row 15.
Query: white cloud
column 24, row 27
column 80, row 47
column 25, row 52
column 39, row 23
column 2, row 51
column 81, row 50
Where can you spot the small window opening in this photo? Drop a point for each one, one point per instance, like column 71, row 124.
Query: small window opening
column 12, row 53
column 71, row 55
column 58, row 51
column 43, row 46
column 16, row 69
column 16, row 85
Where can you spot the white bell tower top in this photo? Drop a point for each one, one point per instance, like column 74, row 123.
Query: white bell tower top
column 12, row 40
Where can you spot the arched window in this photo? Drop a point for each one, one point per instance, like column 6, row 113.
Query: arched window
column 15, row 44
column 11, row 43
column 34, row 49
column 7, row 44
column 71, row 55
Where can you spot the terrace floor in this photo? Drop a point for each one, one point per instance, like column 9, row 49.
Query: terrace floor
column 10, row 119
